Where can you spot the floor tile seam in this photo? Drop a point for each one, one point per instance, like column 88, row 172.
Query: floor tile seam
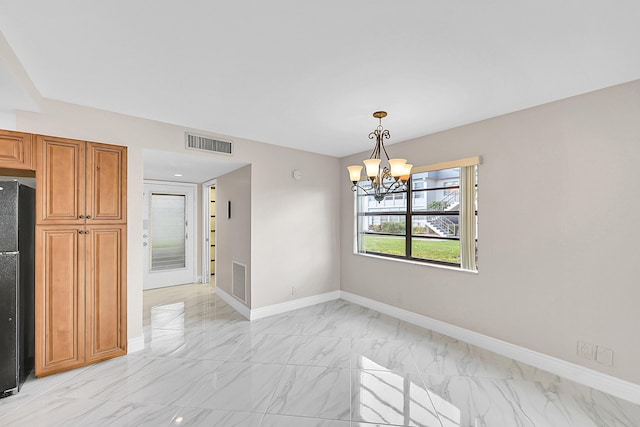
column 284, row 334
column 186, row 359
column 190, row 329
column 351, row 391
column 429, row 393
column 167, row 310
column 392, row 371
column 481, row 377
column 260, row 363
column 424, row 385
column 273, row 392
column 289, row 363
column 197, row 359
column 431, row 399
column 515, row 406
column 309, row 417
column 208, row 408
column 351, row 409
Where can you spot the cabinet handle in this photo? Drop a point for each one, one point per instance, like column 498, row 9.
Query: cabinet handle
column 80, row 232
column 88, row 216
column 81, row 216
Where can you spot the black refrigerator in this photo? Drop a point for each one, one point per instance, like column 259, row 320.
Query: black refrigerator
column 17, row 285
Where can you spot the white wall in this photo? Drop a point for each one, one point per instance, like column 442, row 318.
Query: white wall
column 7, row 120
column 295, row 224
column 559, row 190
column 233, row 234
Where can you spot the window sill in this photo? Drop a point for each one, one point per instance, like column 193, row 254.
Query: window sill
column 423, row 264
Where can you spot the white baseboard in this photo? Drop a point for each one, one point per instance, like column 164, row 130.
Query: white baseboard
column 596, row 380
column 272, row 310
column 284, row 307
column 236, row 304
column 135, row 344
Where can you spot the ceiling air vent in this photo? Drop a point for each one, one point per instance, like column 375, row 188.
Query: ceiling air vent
column 198, row 142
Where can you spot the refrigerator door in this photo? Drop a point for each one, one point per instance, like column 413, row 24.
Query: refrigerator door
column 8, row 324
column 26, row 292
column 8, row 216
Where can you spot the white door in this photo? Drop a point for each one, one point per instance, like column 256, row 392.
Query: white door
column 169, row 234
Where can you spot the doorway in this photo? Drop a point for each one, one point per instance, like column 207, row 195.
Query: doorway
column 209, row 247
column 168, row 234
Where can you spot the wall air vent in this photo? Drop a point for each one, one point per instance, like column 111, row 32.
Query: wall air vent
column 204, row 143
column 239, row 281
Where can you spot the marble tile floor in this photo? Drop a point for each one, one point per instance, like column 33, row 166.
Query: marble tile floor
column 335, row 364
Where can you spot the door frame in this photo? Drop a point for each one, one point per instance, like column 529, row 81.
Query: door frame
column 206, row 230
column 190, row 190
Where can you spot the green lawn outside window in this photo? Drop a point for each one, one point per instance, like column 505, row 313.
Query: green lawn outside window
column 431, row 249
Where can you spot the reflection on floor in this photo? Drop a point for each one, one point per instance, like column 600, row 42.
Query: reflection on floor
column 333, row 364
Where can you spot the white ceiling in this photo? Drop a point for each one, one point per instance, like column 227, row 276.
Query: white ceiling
column 309, row 74
column 163, row 166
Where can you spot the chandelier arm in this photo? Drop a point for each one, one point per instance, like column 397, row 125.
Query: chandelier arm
column 375, row 154
column 384, row 134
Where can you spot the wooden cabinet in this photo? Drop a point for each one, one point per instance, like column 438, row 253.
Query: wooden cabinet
column 81, row 182
column 106, row 190
column 81, row 253
column 81, row 296
column 16, row 151
column 60, row 176
column 60, row 299
column 105, row 291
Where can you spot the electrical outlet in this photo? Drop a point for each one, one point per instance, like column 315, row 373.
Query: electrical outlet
column 604, row 355
column 586, row 350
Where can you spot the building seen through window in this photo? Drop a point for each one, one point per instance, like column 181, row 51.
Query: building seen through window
column 425, row 222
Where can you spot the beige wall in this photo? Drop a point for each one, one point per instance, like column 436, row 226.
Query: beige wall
column 286, row 247
column 295, row 225
column 559, row 197
column 233, row 234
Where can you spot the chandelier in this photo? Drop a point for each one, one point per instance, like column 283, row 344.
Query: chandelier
column 384, row 180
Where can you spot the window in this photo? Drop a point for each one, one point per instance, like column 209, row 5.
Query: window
column 433, row 221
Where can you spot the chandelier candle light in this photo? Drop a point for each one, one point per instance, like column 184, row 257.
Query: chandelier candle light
column 387, row 180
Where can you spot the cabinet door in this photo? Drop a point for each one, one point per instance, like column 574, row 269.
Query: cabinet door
column 106, row 307
column 106, row 184
column 59, row 299
column 16, row 150
column 60, row 176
